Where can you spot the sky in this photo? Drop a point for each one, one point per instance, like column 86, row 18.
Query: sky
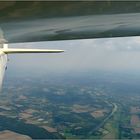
column 109, row 54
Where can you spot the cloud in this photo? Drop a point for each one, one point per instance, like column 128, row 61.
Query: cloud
column 81, row 55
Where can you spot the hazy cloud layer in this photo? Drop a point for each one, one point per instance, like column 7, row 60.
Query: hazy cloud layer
column 115, row 54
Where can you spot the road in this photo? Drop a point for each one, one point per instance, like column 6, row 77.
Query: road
column 115, row 107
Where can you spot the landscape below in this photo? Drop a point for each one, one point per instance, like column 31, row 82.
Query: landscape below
column 95, row 105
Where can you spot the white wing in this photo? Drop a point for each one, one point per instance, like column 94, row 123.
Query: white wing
column 4, row 50
column 15, row 50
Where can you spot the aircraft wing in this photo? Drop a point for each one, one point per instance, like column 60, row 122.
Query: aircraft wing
column 30, row 21
column 16, row 50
